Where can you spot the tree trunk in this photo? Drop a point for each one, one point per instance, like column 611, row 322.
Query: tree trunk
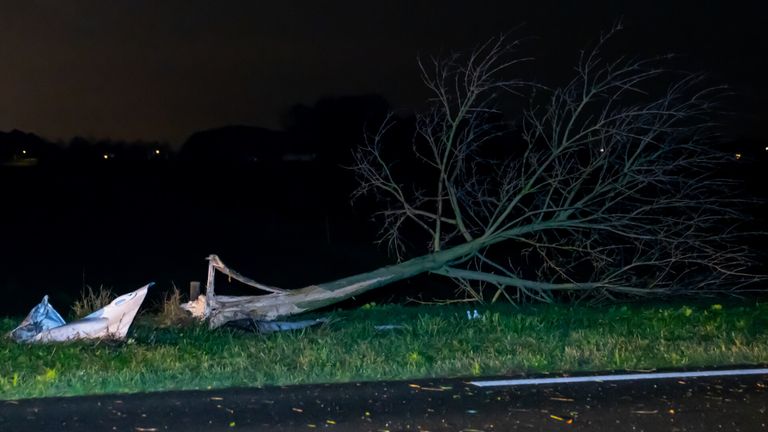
column 283, row 303
column 608, row 194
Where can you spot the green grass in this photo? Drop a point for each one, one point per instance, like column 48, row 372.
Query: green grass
column 437, row 341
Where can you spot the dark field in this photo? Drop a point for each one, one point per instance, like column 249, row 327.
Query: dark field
column 120, row 226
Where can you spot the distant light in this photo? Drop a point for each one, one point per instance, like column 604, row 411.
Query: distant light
column 602, row 149
column 106, row 156
column 766, row 149
column 25, row 152
column 157, row 151
column 738, row 156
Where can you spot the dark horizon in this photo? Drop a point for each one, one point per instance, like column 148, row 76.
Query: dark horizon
column 143, row 71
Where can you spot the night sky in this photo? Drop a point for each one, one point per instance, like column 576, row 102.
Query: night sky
column 160, row 70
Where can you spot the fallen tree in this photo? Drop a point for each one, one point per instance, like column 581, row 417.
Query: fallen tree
column 610, row 190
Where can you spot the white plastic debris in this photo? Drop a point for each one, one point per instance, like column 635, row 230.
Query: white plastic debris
column 266, row 327
column 41, row 318
column 44, row 324
column 275, row 326
column 385, row 327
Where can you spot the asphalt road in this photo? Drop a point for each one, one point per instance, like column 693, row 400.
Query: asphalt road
column 729, row 403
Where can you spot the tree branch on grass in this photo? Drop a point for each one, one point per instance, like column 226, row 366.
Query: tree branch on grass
column 611, row 189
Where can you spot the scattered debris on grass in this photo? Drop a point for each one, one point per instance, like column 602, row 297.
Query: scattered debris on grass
column 44, row 324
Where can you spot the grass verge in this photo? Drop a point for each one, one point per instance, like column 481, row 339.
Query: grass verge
column 434, row 341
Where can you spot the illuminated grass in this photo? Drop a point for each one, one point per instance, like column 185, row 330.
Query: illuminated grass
column 436, row 341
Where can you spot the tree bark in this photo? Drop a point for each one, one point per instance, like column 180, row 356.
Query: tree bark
column 221, row 309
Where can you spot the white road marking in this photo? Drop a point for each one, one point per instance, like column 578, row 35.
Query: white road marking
column 618, row 377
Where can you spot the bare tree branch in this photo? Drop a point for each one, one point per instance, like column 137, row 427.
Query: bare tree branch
column 610, row 191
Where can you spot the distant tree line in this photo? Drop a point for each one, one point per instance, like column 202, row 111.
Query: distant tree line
column 19, row 148
column 325, row 132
